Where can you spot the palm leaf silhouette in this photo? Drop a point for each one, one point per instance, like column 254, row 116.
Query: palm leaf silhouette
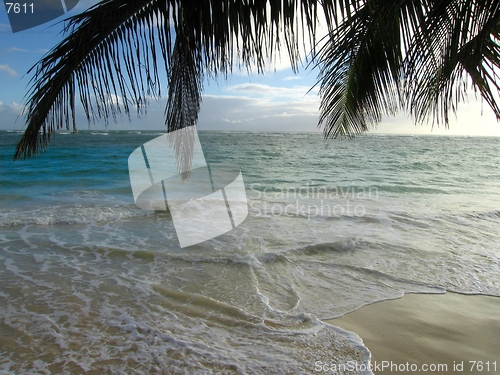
column 113, row 53
column 416, row 55
column 379, row 56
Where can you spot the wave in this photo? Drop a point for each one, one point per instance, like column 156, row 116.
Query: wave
column 486, row 215
column 69, row 214
column 200, row 253
column 348, row 244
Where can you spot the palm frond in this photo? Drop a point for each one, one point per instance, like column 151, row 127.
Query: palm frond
column 406, row 54
column 459, row 41
column 360, row 67
column 184, row 98
column 379, row 56
column 112, row 54
column 105, row 56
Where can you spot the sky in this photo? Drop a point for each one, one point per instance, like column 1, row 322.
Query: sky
column 278, row 100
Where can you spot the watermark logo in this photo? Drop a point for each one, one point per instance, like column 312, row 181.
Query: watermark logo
column 25, row 15
column 210, row 202
column 312, row 200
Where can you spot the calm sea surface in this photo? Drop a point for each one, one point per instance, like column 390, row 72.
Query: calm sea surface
column 91, row 283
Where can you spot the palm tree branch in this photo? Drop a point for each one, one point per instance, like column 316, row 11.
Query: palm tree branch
column 458, row 40
column 361, row 66
column 88, row 56
column 110, row 55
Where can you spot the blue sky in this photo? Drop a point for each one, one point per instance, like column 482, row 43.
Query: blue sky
column 275, row 101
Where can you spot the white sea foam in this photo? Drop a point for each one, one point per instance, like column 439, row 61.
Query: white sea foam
column 96, row 284
column 144, row 318
column 69, row 214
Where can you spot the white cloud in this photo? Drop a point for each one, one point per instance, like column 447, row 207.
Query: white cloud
column 10, row 115
column 245, row 113
column 113, row 99
column 260, row 107
column 7, row 69
column 239, row 121
column 16, row 49
column 271, row 92
column 473, row 118
column 11, row 109
column 292, row 78
column 283, row 114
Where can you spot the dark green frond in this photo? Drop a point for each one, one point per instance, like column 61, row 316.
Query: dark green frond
column 414, row 55
column 113, row 55
column 360, row 68
column 458, row 42
column 379, row 56
column 184, row 98
column 105, row 56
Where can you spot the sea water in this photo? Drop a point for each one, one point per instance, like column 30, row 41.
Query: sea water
column 90, row 283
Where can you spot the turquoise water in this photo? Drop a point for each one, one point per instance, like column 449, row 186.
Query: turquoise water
column 90, row 282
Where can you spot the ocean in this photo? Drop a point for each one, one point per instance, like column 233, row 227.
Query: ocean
column 90, row 283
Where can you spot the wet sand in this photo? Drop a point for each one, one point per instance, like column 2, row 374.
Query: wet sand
column 435, row 334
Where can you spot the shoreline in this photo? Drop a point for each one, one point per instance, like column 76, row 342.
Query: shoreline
column 448, row 333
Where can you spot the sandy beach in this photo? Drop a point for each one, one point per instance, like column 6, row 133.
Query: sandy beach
column 439, row 334
column 92, row 284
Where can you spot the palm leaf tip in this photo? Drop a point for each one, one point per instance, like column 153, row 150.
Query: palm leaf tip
column 113, row 48
column 391, row 55
column 107, row 54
